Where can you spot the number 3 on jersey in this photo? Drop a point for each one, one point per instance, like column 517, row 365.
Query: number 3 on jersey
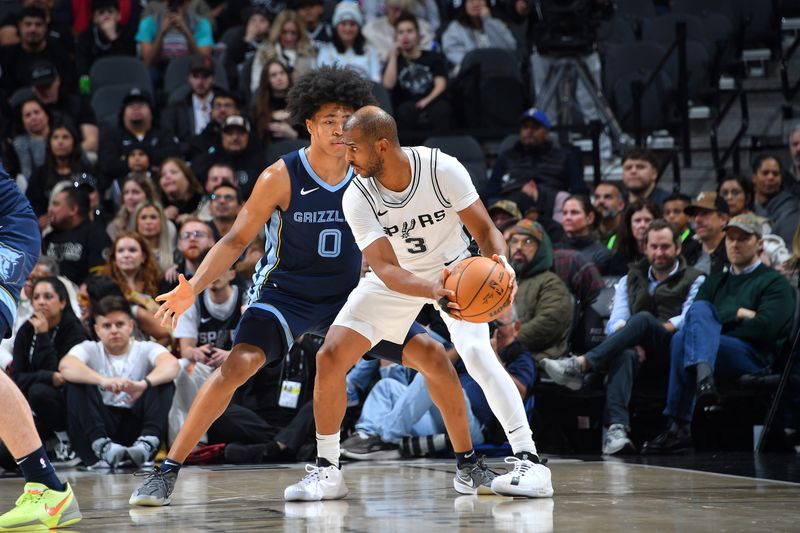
column 418, row 245
column 330, row 243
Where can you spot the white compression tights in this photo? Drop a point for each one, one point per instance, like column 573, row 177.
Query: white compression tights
column 473, row 345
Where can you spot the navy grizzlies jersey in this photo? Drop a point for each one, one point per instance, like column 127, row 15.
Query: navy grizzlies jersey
column 310, row 251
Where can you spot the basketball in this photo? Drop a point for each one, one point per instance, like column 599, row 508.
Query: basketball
column 481, row 286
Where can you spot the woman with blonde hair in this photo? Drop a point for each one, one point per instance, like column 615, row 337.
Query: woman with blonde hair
column 136, row 188
column 288, row 42
column 157, row 231
column 133, row 267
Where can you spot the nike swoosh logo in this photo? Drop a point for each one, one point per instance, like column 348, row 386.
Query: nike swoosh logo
column 515, row 429
column 303, row 192
column 467, row 481
column 450, row 263
column 52, row 511
column 381, row 213
column 204, row 320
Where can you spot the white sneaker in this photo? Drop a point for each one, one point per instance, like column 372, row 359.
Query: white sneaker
column 617, row 440
column 321, row 483
column 528, row 479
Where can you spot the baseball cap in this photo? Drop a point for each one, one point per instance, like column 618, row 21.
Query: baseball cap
column 201, row 63
column 136, row 95
column 747, row 222
column 347, row 10
column 537, row 115
column 236, row 121
column 506, row 206
column 43, row 73
column 528, row 227
column 709, row 201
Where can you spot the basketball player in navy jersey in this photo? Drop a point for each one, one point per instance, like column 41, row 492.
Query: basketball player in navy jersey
column 310, row 265
column 46, row 501
column 408, row 208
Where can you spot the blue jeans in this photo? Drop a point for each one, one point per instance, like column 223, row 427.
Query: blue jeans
column 700, row 341
column 616, row 356
column 393, row 410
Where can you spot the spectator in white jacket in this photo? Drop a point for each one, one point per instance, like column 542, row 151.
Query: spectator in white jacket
column 349, row 47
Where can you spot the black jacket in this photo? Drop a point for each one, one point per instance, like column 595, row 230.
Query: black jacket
column 93, row 44
column 36, row 355
column 111, row 162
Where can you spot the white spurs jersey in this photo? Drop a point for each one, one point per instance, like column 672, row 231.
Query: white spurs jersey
column 421, row 222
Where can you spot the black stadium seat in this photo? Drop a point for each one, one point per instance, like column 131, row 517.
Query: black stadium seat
column 116, row 70
column 467, row 150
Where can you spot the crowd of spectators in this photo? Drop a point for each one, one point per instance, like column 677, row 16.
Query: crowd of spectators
column 126, row 204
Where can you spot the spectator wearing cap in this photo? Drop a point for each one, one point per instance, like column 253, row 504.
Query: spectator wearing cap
column 223, row 105
column 380, row 31
column 417, row 79
column 349, row 47
column 63, row 104
column 310, row 13
column 172, row 30
column 63, row 158
column 779, row 206
column 474, row 27
column 543, row 301
column 289, row 44
column 735, row 326
column 104, row 37
column 239, row 149
column 136, row 125
column 34, row 45
column 710, row 214
column 504, row 214
column 79, row 247
column 190, row 116
column 237, row 51
column 650, row 303
column 639, row 175
column 533, row 170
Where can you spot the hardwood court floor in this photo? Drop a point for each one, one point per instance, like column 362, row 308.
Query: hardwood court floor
column 417, row 497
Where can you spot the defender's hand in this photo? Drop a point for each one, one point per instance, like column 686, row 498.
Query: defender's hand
column 175, row 303
column 512, row 281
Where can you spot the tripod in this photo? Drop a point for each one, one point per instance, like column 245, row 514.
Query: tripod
column 558, row 83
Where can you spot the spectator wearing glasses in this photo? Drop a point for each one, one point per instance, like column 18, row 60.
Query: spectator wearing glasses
column 104, row 37
column 217, row 174
column 194, row 237
column 543, row 301
column 190, row 116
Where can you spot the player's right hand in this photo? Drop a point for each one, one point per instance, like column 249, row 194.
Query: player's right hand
column 175, row 303
column 446, row 298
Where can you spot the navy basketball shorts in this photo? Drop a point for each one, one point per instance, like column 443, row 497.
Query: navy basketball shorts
column 278, row 318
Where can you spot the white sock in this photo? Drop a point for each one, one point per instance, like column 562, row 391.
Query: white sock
column 472, row 344
column 62, row 436
column 328, row 448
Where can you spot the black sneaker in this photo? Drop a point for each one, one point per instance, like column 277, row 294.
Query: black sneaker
column 370, row 449
column 707, row 392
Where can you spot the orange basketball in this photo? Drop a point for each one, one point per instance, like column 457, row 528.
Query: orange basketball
column 481, row 287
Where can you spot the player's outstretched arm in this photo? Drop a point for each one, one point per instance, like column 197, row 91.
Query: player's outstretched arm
column 272, row 190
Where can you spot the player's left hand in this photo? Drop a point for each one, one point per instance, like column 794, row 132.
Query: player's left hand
column 446, row 298
column 512, row 276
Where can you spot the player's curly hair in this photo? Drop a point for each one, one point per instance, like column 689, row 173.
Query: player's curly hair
column 328, row 85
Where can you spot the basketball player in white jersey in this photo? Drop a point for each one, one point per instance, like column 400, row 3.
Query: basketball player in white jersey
column 407, row 209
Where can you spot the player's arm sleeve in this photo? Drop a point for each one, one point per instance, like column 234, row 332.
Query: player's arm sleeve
column 453, row 181
column 361, row 217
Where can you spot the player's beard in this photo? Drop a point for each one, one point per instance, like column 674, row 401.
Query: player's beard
column 374, row 168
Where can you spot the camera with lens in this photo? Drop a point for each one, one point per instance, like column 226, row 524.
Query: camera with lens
column 569, row 27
